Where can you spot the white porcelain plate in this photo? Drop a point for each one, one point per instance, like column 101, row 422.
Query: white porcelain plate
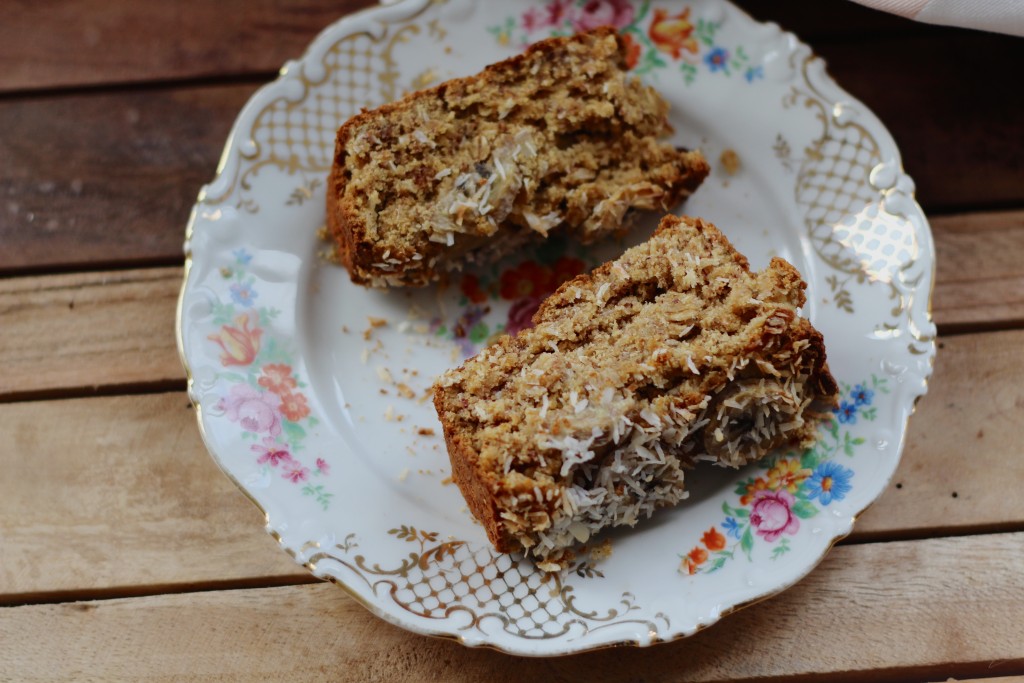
column 311, row 391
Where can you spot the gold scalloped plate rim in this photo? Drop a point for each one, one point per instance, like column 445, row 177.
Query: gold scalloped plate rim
column 231, row 143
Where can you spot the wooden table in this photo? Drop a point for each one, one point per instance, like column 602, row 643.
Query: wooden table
column 126, row 555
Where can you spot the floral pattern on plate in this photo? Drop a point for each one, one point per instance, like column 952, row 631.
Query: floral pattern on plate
column 792, row 489
column 656, row 38
column 264, row 396
column 523, row 283
column 284, row 382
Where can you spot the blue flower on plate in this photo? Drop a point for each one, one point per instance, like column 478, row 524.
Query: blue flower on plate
column 846, row 412
column 829, row 481
column 861, row 395
column 754, row 73
column 243, row 294
column 242, row 256
column 717, row 59
column 731, row 527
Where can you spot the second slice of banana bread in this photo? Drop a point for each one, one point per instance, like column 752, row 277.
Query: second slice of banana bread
column 674, row 352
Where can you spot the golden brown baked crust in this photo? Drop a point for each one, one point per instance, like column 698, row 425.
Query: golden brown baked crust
column 556, row 139
column 672, row 353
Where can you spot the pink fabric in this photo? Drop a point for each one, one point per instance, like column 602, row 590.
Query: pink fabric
column 904, row 8
column 1000, row 16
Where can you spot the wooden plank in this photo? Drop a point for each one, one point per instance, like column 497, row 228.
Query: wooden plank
column 69, row 333
column 89, row 450
column 119, row 492
column 74, row 332
column 91, row 42
column 109, row 178
column 954, row 614
column 99, row 179
column 963, row 440
column 980, row 281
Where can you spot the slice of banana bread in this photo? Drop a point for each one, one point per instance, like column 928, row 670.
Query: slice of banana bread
column 673, row 353
column 555, row 139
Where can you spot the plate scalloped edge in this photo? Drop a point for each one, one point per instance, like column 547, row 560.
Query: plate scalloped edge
column 910, row 281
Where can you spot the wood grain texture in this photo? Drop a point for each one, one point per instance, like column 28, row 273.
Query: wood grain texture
column 964, row 458
column 69, row 43
column 71, row 458
column 74, row 332
column 109, row 177
column 955, row 616
column 119, row 492
column 980, row 283
column 99, row 179
column 79, row 331
column 89, row 42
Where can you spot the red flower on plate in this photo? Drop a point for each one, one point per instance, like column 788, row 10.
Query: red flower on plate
column 565, row 269
column 526, row 279
column 277, row 377
column 713, row 539
column 693, row 560
column 470, row 286
column 771, row 514
column 294, row 406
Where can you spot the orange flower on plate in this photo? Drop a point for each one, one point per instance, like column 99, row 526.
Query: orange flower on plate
column 787, row 474
column 294, row 407
column 753, row 487
column 632, row 50
column 694, row 559
column 713, row 539
column 673, row 34
column 239, row 343
column 526, row 279
column 277, row 377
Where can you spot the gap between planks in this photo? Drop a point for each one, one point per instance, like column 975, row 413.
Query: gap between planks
column 71, row 334
column 110, row 479
column 956, row 616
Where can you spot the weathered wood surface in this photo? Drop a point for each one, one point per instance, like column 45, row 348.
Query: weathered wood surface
column 100, row 178
column 89, row 331
column 82, row 332
column 118, row 495
column 125, row 554
column 914, row 610
column 144, row 453
column 76, row 43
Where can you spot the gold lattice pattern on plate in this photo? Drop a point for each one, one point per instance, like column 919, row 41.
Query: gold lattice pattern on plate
column 297, row 135
column 301, row 134
column 447, row 577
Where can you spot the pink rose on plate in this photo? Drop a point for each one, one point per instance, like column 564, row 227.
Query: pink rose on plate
column 520, row 316
column 771, row 514
column 257, row 411
column 617, row 13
